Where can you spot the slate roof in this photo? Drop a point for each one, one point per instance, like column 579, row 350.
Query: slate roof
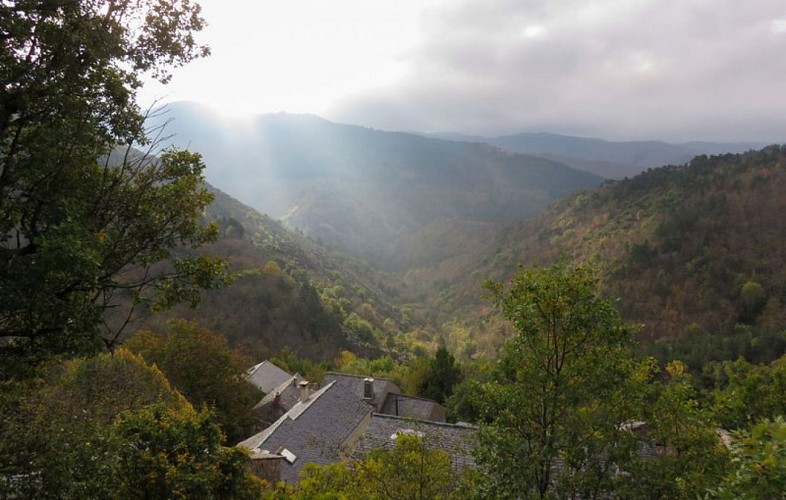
column 412, row 407
column 314, row 430
column 267, row 376
column 456, row 440
column 354, row 384
column 288, row 392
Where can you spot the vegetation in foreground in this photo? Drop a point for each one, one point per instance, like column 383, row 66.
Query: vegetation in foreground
column 89, row 231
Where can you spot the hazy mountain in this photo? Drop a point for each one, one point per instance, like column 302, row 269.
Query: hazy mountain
column 613, row 160
column 362, row 190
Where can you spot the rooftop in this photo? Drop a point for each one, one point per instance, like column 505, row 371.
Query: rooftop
column 266, row 376
column 456, row 440
column 313, row 430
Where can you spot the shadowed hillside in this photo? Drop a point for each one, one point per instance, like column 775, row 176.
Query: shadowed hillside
column 694, row 253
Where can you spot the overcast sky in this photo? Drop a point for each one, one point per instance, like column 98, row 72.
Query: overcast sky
column 619, row 69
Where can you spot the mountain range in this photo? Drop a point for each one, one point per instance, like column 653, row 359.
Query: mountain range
column 680, row 246
column 363, row 191
column 609, row 159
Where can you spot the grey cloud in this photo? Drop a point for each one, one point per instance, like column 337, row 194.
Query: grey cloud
column 684, row 70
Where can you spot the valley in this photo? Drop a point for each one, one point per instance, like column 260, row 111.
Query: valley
column 455, row 250
column 397, row 232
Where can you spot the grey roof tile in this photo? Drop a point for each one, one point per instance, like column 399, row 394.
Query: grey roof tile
column 267, row 376
column 456, row 440
column 355, row 385
column 412, row 407
column 313, row 431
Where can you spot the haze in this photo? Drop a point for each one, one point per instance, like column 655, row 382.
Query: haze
column 619, row 69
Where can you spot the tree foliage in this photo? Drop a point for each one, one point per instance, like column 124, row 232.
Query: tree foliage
column 686, row 455
column 560, row 392
column 111, row 426
column 744, row 394
column 409, row 470
column 760, row 463
column 201, row 366
column 170, row 453
column 441, row 376
column 84, row 218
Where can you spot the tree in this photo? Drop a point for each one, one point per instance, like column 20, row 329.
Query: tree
column 201, row 366
column 110, row 426
column 560, row 394
column 750, row 393
column 54, row 432
column 442, row 375
column 85, row 219
column 686, row 454
column 752, row 300
column 409, row 470
column 759, row 463
column 171, row 453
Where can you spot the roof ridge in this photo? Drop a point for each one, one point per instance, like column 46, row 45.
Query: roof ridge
column 420, row 420
column 278, row 390
column 413, row 397
column 302, row 406
column 292, row 414
column 355, row 375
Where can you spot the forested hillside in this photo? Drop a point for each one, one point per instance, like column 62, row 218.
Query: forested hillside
column 694, row 253
column 289, row 292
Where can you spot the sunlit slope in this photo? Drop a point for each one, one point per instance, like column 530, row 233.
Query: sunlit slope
column 290, row 292
column 362, row 190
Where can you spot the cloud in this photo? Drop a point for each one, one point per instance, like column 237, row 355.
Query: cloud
column 694, row 69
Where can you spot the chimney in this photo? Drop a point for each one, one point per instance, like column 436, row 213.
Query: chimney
column 368, row 388
column 277, row 399
column 303, row 390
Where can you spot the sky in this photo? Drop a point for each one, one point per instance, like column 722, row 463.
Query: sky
column 675, row 70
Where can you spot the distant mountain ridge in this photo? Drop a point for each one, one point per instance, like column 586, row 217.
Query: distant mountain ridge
column 610, row 159
column 362, row 190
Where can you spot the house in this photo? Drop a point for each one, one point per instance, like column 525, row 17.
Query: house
column 386, row 397
column 278, row 401
column 345, row 418
column 455, row 439
column 383, row 395
column 266, row 376
column 316, row 429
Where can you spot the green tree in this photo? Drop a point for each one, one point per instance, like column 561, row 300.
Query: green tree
column 177, row 453
column 689, row 455
column 85, row 219
column 759, row 463
column 442, row 375
column 201, row 366
column 748, row 394
column 54, row 432
column 63, row 437
column 752, row 300
column 409, row 470
column 560, row 394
